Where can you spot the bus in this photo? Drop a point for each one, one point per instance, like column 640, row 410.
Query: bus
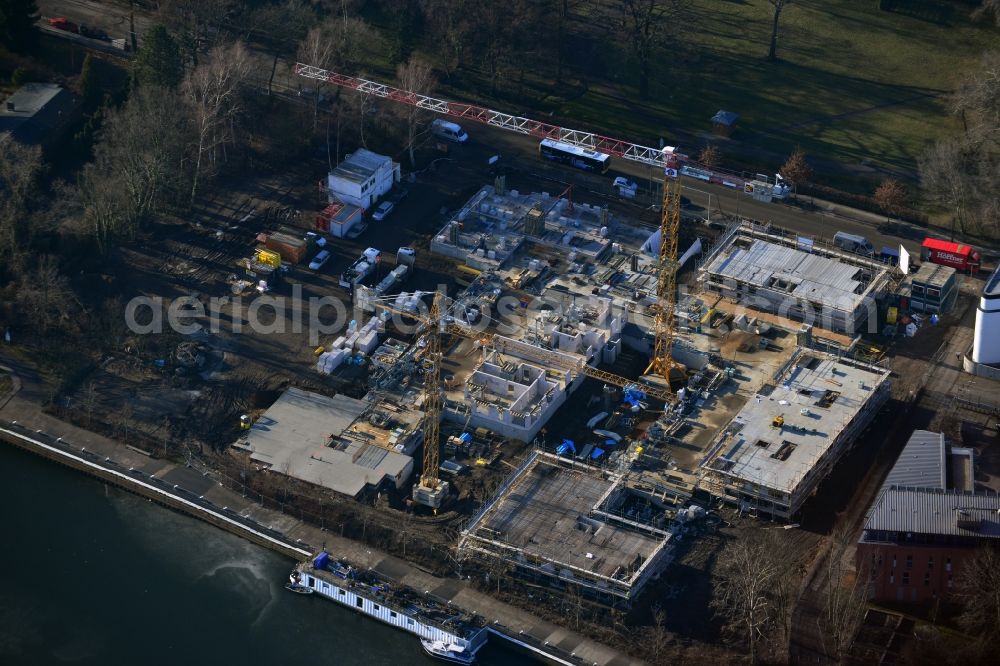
column 567, row 153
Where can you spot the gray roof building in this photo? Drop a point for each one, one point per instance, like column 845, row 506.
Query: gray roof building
column 929, row 492
column 938, row 512
column 38, row 113
column 361, row 165
column 312, row 437
column 921, row 464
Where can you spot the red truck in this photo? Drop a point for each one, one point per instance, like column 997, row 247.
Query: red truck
column 957, row 255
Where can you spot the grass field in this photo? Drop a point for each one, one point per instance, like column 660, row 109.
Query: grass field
column 860, row 89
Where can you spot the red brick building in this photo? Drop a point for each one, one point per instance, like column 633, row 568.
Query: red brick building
column 926, row 523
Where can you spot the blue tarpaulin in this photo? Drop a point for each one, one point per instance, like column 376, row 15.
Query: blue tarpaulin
column 597, row 454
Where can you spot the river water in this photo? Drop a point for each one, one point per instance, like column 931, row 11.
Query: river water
column 93, row 575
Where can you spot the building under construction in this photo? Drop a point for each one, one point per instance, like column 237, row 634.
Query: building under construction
column 787, row 438
column 797, row 278
column 572, row 525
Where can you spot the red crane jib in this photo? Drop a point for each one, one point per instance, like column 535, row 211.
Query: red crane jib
column 666, row 157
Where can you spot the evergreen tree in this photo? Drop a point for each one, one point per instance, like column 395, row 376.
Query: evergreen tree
column 18, row 31
column 88, row 86
column 159, row 59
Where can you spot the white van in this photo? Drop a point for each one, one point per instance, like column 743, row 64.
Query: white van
column 853, row 243
column 448, row 130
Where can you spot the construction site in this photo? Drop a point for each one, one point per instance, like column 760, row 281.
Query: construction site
column 664, row 409
column 545, row 381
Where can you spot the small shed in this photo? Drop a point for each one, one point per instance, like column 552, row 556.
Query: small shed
column 724, row 122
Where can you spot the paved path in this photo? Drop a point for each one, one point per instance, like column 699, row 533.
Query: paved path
column 202, row 489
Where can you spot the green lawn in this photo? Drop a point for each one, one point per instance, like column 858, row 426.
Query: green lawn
column 853, row 83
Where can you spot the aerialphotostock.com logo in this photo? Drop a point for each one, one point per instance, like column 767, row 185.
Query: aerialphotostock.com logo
column 318, row 316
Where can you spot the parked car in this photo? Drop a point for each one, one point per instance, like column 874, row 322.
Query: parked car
column 319, row 260
column 626, row 188
column 94, row 33
column 383, row 211
column 449, row 131
column 63, row 23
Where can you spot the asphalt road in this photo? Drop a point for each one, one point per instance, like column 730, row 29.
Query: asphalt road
column 112, row 18
column 822, row 222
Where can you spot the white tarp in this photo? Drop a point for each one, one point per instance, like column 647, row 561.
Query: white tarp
column 904, row 260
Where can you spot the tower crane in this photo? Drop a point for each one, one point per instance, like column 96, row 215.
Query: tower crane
column 662, row 361
column 431, row 490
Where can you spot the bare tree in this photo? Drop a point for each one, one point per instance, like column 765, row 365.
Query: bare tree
column 659, row 636
column 20, row 168
column 501, row 38
column 796, row 170
column 213, row 92
column 452, row 25
column 89, row 401
column 44, row 293
column 745, row 594
column 123, row 420
column 137, row 167
column 416, row 76
column 281, row 27
column 777, row 6
column 977, row 100
column 977, row 588
column 846, row 593
column 404, row 528
column 987, row 9
column 890, row 197
column 645, row 25
column 947, row 176
column 191, row 20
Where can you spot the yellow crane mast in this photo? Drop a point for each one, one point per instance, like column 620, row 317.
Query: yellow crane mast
column 432, row 397
column 662, row 361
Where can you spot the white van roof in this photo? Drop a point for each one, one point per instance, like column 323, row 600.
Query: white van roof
column 851, row 237
column 445, row 124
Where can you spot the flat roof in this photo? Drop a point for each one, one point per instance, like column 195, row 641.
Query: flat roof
column 805, row 275
column 817, row 395
column 302, row 435
column 545, row 513
column 933, row 275
column 360, row 165
column 38, row 109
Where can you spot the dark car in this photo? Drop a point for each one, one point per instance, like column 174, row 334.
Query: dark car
column 94, row 33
